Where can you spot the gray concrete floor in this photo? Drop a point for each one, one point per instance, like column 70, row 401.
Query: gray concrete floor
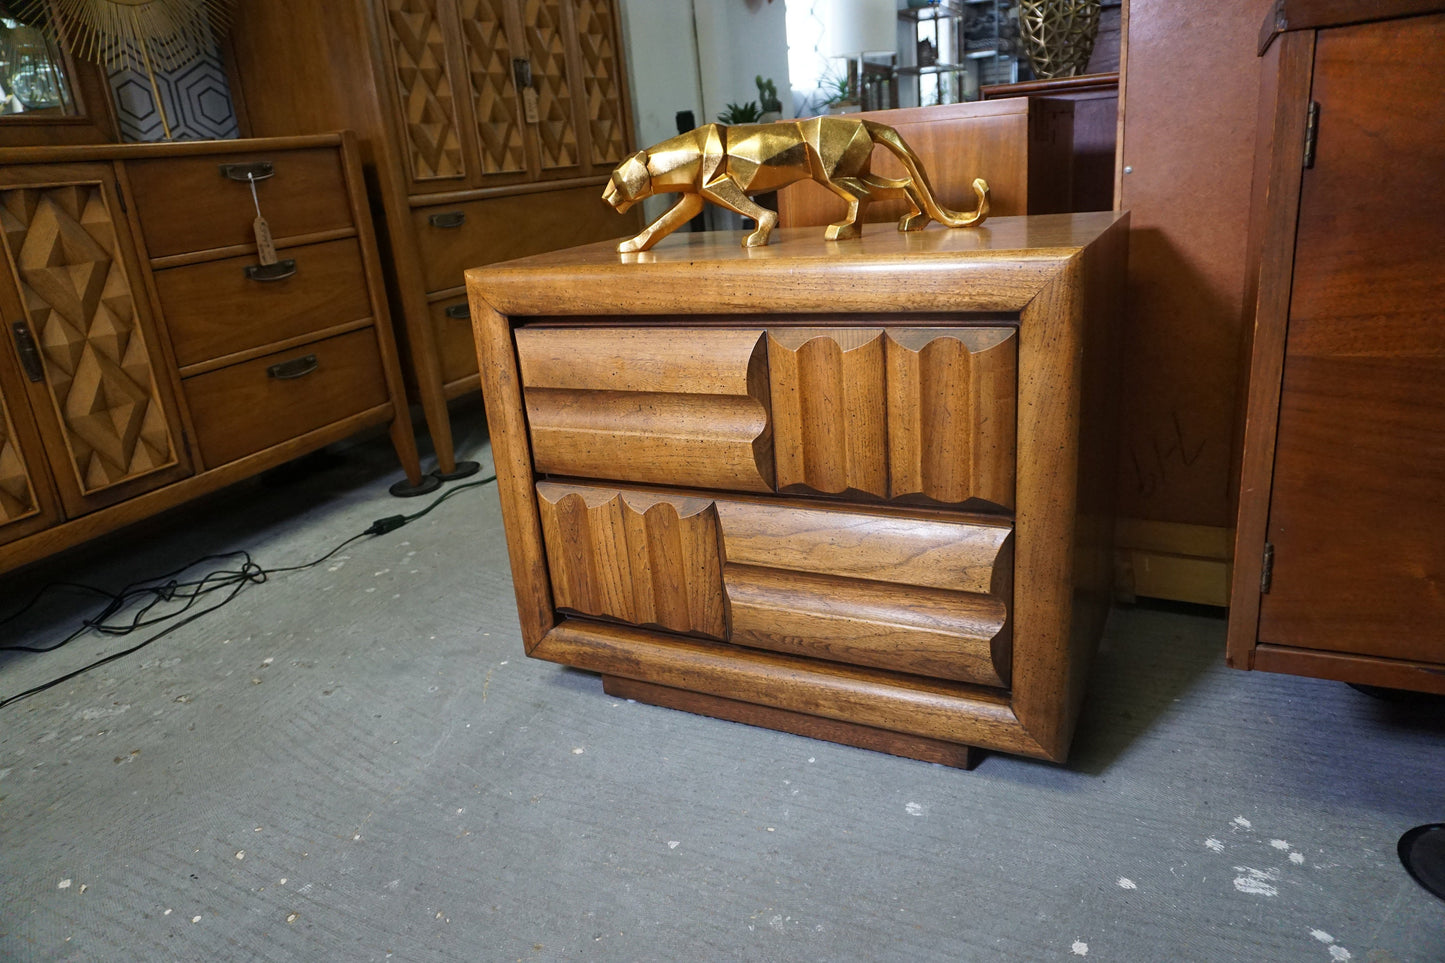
column 356, row 762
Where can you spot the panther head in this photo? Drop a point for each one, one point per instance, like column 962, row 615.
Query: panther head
column 629, row 183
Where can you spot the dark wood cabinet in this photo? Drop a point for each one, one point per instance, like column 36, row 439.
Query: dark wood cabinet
column 1340, row 552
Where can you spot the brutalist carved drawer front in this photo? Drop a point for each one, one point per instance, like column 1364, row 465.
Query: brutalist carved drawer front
column 914, row 414
column 859, row 491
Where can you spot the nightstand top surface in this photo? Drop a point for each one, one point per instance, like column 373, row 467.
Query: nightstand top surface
column 997, row 267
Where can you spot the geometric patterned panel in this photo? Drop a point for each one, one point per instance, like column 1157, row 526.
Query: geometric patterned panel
column 489, row 61
column 17, row 497
column 556, row 128
column 600, row 76
column 419, row 49
column 62, row 244
column 196, row 98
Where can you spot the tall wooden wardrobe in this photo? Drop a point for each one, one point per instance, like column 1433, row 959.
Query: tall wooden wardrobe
column 488, row 128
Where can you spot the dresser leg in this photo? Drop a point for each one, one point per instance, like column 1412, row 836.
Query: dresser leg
column 782, row 720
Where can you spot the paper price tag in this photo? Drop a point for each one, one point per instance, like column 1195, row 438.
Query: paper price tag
column 265, row 247
column 529, row 105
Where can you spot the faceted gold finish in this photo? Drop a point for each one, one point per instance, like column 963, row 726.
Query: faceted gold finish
column 727, row 165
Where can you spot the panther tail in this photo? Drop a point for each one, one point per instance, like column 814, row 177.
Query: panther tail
column 888, row 137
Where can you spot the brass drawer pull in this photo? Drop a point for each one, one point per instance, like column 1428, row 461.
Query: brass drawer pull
column 29, row 354
column 460, row 311
column 448, row 219
column 295, row 368
column 255, row 171
column 282, row 269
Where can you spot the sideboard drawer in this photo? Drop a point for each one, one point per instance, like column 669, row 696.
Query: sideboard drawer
column 188, row 204
column 215, row 308
column 920, row 593
column 250, row 406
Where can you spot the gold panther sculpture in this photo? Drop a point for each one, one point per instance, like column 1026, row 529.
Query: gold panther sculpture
column 726, row 165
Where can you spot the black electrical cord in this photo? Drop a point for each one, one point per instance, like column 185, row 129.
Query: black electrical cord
column 170, row 588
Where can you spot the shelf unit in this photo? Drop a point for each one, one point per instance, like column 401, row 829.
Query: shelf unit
column 956, row 72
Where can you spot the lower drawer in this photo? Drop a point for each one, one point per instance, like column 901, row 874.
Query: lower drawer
column 251, row 406
column 456, row 348
column 921, row 593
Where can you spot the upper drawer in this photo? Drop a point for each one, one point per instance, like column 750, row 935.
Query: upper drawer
column 915, row 414
column 215, row 308
column 454, row 237
column 187, row 204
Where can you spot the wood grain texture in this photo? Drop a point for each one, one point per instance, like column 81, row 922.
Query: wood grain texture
column 1014, row 145
column 125, row 299
column 100, row 396
column 609, row 403
column 239, row 410
column 512, row 456
column 951, row 414
column 18, row 495
column 947, row 711
column 830, row 579
column 926, row 632
column 425, row 89
column 1190, row 89
column 656, row 565
column 997, row 268
column 494, row 103
column 213, row 309
column 814, row 727
column 828, row 406
column 184, row 204
column 1359, row 454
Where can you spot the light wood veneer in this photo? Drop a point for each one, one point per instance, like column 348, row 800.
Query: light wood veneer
column 859, row 491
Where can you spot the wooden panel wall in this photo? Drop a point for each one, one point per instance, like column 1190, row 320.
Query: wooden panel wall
column 1189, row 94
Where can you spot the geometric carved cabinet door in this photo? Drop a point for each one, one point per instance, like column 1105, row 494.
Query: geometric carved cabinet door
column 80, row 339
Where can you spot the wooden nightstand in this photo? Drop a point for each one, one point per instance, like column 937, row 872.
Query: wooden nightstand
column 859, row 491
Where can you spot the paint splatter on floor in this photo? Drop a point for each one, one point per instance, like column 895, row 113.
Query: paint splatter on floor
column 1127, row 883
column 1242, row 823
column 1256, row 882
column 1213, row 844
column 1080, row 948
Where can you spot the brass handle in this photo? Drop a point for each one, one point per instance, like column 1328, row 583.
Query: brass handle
column 29, row 354
column 255, row 171
column 522, row 72
column 295, row 368
column 460, row 311
column 282, row 269
column 448, row 219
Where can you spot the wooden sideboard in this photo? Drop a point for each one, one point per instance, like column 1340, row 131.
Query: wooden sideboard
column 487, row 127
column 860, row 491
column 149, row 358
column 1340, row 551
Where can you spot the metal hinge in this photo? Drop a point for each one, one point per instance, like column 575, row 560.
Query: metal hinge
column 1266, row 574
column 1312, row 130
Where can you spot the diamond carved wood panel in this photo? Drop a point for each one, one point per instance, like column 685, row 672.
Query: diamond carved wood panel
column 78, row 302
column 494, row 90
column 17, row 494
column 555, row 128
column 600, row 70
column 428, row 114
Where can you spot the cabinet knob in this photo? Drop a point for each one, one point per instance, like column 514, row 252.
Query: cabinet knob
column 282, row 269
column 29, row 354
column 295, row 368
